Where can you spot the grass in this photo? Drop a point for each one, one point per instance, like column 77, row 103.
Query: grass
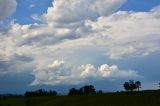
column 143, row 98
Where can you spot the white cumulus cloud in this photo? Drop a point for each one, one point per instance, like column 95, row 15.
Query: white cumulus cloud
column 60, row 72
column 70, row 11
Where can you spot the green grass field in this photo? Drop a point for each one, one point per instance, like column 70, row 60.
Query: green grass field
column 143, row 98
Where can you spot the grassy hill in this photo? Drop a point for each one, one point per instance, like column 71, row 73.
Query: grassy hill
column 143, row 98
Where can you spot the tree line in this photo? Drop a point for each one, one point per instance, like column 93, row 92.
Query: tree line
column 129, row 86
column 40, row 92
column 85, row 90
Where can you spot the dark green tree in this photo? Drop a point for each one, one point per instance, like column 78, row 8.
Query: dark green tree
column 100, row 92
column 73, row 91
column 40, row 92
column 138, row 85
column 88, row 89
column 126, row 86
column 131, row 85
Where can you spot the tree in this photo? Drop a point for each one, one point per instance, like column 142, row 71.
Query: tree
column 73, row 91
column 138, row 85
column 100, row 92
column 88, row 89
column 40, row 92
column 126, row 86
column 131, row 85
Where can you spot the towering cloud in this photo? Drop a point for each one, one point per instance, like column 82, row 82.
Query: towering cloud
column 60, row 72
column 69, row 11
column 7, row 7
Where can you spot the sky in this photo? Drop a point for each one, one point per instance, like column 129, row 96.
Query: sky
column 59, row 44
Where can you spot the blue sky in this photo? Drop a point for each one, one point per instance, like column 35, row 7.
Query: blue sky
column 27, row 7
column 73, row 43
column 140, row 5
